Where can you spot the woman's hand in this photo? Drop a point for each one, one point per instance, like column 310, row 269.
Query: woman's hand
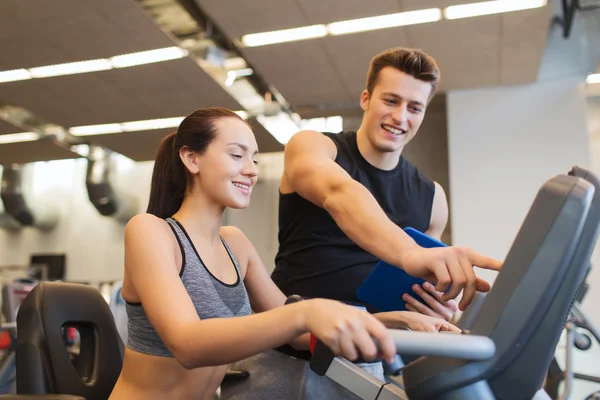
column 414, row 321
column 437, row 306
column 348, row 331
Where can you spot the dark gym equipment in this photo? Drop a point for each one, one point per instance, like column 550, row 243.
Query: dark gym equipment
column 43, row 362
column 522, row 316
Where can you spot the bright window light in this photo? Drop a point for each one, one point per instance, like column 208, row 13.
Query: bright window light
column 242, row 114
column 19, row 137
column 490, row 7
column 148, row 57
column 592, row 78
column 95, row 129
column 325, row 124
column 79, row 67
column 281, row 126
column 286, row 35
column 151, row 124
column 335, row 124
column 385, row 21
column 14, row 75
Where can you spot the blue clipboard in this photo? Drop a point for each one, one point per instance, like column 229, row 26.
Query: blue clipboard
column 386, row 284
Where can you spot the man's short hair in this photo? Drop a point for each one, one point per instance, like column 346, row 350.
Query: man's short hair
column 413, row 62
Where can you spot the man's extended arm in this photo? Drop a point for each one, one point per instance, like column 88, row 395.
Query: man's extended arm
column 310, row 171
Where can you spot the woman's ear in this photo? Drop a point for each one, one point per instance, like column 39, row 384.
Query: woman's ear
column 189, row 158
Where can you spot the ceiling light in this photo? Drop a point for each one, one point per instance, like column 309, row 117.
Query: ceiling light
column 82, row 149
column 231, row 76
column 151, row 124
column 243, row 72
column 14, row 75
column 148, row 57
column 78, row 67
column 286, row 35
column 490, row 7
column 385, row 21
column 95, row 129
column 132, row 126
column 234, row 63
column 19, row 137
column 592, row 78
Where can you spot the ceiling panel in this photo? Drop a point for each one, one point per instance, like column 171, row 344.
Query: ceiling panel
column 39, row 150
column 159, row 90
column 471, row 52
column 301, row 71
column 30, row 11
column 5, row 128
column 239, row 17
column 27, row 51
column 410, row 5
column 139, row 146
column 45, row 33
column 326, row 11
column 523, row 43
column 43, row 99
column 468, row 56
column 352, row 54
column 311, row 74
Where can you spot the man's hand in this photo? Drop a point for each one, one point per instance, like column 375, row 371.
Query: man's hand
column 450, row 269
column 414, row 321
column 437, row 306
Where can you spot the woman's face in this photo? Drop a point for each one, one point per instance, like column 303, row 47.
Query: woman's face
column 228, row 170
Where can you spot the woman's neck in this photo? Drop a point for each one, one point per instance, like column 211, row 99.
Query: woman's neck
column 201, row 217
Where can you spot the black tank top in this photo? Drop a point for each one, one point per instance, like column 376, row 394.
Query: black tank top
column 315, row 258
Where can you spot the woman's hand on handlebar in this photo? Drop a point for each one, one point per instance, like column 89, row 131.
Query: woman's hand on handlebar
column 436, row 306
column 414, row 321
column 348, row 331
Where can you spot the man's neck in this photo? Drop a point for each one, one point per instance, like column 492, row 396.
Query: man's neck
column 379, row 159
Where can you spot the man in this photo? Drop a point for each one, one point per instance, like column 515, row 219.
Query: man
column 346, row 198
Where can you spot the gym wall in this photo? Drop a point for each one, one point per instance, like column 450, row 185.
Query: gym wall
column 592, row 299
column 503, row 143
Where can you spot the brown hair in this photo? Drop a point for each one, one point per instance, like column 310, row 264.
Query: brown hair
column 170, row 177
column 413, row 62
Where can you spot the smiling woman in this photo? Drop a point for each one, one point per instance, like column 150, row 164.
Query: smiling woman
column 190, row 284
column 181, row 151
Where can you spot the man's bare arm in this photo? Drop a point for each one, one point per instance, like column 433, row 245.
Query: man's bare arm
column 311, row 171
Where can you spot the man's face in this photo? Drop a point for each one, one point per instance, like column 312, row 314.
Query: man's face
column 395, row 109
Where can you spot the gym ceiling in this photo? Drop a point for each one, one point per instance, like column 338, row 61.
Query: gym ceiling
column 212, row 65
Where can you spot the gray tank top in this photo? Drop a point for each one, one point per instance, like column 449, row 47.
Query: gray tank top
column 211, row 297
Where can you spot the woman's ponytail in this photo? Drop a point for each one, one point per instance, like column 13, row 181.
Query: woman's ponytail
column 168, row 180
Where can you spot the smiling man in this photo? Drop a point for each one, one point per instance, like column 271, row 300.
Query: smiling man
column 345, row 199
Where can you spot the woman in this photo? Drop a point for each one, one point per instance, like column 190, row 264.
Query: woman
column 190, row 284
